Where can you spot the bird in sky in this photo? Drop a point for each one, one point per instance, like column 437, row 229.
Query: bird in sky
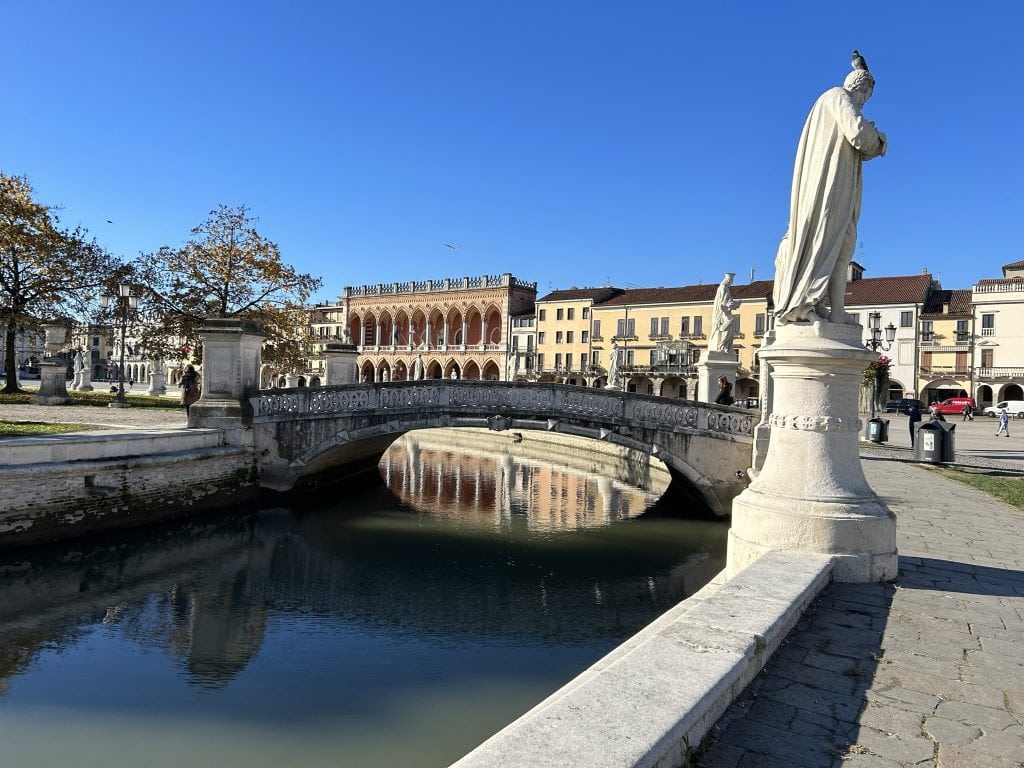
column 454, row 246
column 858, row 62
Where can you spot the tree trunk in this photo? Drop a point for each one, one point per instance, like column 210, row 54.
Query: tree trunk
column 10, row 359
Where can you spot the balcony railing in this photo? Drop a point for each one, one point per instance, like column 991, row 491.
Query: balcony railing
column 946, row 370
column 999, row 373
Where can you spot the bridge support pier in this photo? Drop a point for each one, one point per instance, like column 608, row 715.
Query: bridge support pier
column 230, row 373
column 811, row 494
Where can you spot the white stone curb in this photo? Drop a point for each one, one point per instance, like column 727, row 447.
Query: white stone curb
column 644, row 704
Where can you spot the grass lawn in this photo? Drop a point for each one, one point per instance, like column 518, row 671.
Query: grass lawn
column 34, row 428
column 98, row 399
column 1003, row 487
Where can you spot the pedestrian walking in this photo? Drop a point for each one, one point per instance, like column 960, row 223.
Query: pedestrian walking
column 968, row 412
column 1004, row 423
column 913, row 417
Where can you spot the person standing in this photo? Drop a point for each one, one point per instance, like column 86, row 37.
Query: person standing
column 191, row 387
column 724, row 392
column 1004, row 423
column 914, row 417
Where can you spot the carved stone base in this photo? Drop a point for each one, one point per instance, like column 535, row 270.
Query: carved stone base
column 52, row 384
column 811, row 494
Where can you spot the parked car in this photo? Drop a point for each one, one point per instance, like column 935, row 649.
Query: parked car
column 953, row 405
column 1014, row 407
column 901, row 405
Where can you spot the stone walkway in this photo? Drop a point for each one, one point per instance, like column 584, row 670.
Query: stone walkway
column 165, row 418
column 928, row 671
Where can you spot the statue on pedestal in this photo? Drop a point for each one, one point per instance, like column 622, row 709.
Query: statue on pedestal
column 722, row 329
column 812, row 260
column 417, row 368
column 614, row 377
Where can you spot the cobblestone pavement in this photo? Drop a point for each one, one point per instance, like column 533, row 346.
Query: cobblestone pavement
column 928, row 671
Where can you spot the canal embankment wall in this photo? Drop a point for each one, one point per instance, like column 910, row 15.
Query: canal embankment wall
column 73, row 485
column 650, row 702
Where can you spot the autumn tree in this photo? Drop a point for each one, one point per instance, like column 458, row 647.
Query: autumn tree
column 45, row 270
column 225, row 269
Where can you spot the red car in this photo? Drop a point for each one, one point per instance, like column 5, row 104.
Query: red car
column 953, row 406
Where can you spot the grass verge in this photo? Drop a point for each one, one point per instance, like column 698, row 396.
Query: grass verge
column 33, row 428
column 1003, row 487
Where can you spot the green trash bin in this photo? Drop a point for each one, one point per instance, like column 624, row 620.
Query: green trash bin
column 878, row 430
column 934, row 442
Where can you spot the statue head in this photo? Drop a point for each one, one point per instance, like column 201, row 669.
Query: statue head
column 728, row 278
column 860, row 85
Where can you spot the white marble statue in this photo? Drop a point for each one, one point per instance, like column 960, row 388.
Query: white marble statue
column 722, row 326
column 613, row 368
column 812, row 260
column 417, row 368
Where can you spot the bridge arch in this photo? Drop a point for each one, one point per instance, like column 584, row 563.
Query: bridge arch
column 300, row 435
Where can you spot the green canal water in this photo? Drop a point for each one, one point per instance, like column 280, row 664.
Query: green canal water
column 399, row 624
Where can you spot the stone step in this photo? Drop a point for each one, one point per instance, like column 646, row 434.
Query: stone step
column 104, row 444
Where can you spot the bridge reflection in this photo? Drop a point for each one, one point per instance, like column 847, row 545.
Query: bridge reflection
column 207, row 593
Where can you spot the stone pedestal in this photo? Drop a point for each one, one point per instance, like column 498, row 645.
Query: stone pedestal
column 810, row 494
column 83, row 381
column 341, row 364
column 708, row 370
column 52, row 384
column 291, row 380
column 230, row 373
column 157, row 379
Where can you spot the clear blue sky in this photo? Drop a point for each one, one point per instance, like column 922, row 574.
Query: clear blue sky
column 641, row 142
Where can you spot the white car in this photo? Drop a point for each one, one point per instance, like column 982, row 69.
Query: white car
column 1015, row 408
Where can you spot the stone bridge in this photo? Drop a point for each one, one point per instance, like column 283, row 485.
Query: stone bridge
column 301, row 435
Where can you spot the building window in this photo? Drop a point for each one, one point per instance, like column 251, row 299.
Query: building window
column 559, row 314
column 95, row 341
column 540, row 337
column 926, row 330
column 629, row 357
column 684, row 327
column 962, row 334
column 558, row 360
column 540, row 361
column 698, row 325
column 906, row 319
column 570, row 314
column 664, row 326
column 597, row 329
column 988, row 325
column 986, row 358
column 595, row 358
column 584, row 336
column 626, row 328
column 558, row 337
column 586, row 313
column 568, row 337
column 583, row 361
column 759, row 322
column 568, row 362
column 654, row 357
column 542, row 315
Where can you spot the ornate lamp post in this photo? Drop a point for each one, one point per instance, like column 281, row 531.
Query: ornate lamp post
column 123, row 303
column 875, row 343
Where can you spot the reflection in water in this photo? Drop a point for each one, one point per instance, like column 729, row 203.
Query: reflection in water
column 361, row 630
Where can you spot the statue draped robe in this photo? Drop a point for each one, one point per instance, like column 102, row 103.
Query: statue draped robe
column 824, row 205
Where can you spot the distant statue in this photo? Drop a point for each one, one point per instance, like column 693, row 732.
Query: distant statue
column 417, row 368
column 812, row 260
column 386, row 375
column 613, row 369
column 346, row 335
column 79, row 362
column 722, row 327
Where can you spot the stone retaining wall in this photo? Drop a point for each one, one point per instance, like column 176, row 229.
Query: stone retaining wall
column 95, row 483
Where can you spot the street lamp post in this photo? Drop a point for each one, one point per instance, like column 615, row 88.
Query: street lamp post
column 123, row 303
column 875, row 343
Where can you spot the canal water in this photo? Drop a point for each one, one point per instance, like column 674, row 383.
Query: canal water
column 398, row 624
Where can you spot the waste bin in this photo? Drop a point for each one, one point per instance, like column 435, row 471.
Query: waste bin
column 934, row 441
column 878, row 430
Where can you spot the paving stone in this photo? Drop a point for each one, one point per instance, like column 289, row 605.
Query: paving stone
column 901, row 749
column 998, row 743
column 721, row 755
column 890, row 719
column 807, row 723
column 988, row 718
column 948, row 731
column 762, row 739
column 958, row 756
column 865, row 760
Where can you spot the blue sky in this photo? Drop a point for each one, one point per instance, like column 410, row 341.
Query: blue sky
column 638, row 143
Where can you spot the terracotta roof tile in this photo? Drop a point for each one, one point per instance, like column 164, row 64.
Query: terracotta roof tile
column 901, row 289
column 688, row 294
column 597, row 295
column 1013, row 265
column 956, row 303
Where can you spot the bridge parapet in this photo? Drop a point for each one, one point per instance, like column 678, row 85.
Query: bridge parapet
column 554, row 400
